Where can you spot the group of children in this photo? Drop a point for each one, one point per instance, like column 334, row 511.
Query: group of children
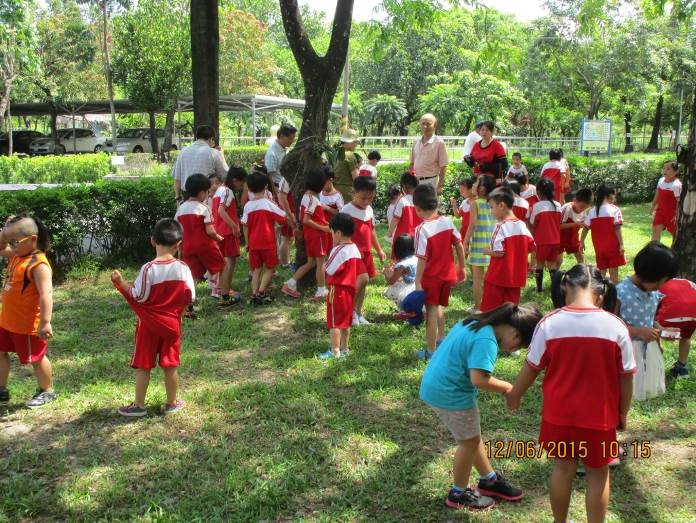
column 501, row 228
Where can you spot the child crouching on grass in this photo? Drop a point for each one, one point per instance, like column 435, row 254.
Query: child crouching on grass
column 459, row 367
column 27, row 305
column 159, row 296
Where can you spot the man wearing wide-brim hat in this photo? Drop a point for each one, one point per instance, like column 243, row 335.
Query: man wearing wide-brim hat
column 347, row 163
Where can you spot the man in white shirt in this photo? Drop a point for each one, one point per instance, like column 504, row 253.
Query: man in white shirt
column 201, row 157
column 472, row 138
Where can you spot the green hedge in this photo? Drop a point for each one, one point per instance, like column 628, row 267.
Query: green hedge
column 54, row 169
column 118, row 216
column 242, row 156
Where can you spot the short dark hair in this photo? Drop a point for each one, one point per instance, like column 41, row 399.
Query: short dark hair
column 487, row 183
column 257, row 182
column 584, row 195
column 374, row 155
column 235, row 172
column 43, row 237
column 467, row 182
column 214, row 176
column 522, row 318
column 518, row 155
column 403, row 246
column 205, row 132
column 583, row 276
column 478, row 125
column 408, row 180
column 546, row 189
column 167, row 232
column 329, row 172
column 513, row 185
column 394, row 191
column 425, row 198
column 343, row 223
column 555, row 154
column 488, row 124
column 522, row 179
column 195, row 184
column 655, row 262
column 364, row 183
column 315, row 180
column 503, row 195
column 286, row 130
column 601, row 194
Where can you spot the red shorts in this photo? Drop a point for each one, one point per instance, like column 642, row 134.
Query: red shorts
column 564, row 442
column 151, row 347
column 668, row 221
column 437, row 292
column 369, row 264
column 686, row 328
column 570, row 248
column 205, row 260
column 315, row 246
column 495, row 295
column 609, row 261
column 286, row 230
column 263, row 258
column 339, row 307
column 548, row 252
column 28, row 347
column 229, row 247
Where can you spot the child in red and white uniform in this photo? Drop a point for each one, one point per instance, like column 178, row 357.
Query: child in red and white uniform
column 331, row 199
column 510, row 246
column 364, row 237
column 259, row 220
column 587, row 358
column 159, row 296
column 315, row 229
column 435, row 272
column 677, row 311
column 666, row 200
column 545, row 222
column 344, row 268
column 520, row 206
column 200, row 249
column 572, row 220
column 404, row 220
column 605, row 221
column 516, row 168
column 227, row 224
column 369, row 168
column 214, row 185
column 555, row 171
column 527, row 190
column 463, row 210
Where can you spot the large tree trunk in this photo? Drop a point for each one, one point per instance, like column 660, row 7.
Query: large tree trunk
column 628, row 148
column 205, row 41
column 685, row 239
column 168, row 136
column 653, row 145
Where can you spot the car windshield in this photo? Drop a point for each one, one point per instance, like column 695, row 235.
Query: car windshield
column 130, row 133
column 64, row 132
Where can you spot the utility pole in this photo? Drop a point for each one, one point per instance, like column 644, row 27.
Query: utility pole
column 109, row 81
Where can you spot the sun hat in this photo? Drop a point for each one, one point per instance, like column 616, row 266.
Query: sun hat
column 349, row 136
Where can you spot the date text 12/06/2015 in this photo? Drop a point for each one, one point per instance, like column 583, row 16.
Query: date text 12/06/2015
column 532, row 449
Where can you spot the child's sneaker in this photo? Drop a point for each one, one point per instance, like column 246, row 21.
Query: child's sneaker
column 499, row 487
column 345, row 352
column 289, row 291
column 40, row 399
column 424, row 354
column 360, row 319
column 132, row 411
column 171, row 408
column 4, row 395
column 255, row 300
column 328, row 355
column 678, row 370
column 266, row 299
column 404, row 316
column 320, row 296
column 468, row 499
column 228, row 301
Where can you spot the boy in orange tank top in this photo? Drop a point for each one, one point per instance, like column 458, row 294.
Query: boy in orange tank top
column 27, row 304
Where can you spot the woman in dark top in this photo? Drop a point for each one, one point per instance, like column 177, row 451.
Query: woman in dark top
column 488, row 156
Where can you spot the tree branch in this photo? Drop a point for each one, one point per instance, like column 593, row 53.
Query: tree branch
column 340, row 33
column 302, row 49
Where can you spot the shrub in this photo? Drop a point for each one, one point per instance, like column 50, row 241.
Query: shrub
column 54, row 169
column 242, row 156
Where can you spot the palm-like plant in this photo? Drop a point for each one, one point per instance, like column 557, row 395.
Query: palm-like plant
column 384, row 110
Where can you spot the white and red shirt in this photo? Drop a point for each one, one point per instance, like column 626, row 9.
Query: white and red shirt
column 224, row 196
column 678, row 301
column 159, row 295
column 343, row 265
column 311, row 206
column 193, row 217
column 584, row 352
column 464, row 212
column 433, row 241
column 530, row 195
column 260, row 217
column 268, row 195
column 405, row 211
column 545, row 216
column 364, row 220
column 512, row 238
column 552, row 170
column 333, row 200
column 668, row 194
column 603, row 227
column 284, row 188
column 367, row 169
column 569, row 214
column 521, row 208
column 514, row 171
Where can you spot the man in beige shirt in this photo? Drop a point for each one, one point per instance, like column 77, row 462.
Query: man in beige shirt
column 429, row 155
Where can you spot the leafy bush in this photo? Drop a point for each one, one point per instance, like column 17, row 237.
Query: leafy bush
column 54, row 169
column 243, row 156
column 113, row 219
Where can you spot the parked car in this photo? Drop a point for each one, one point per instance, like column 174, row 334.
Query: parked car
column 83, row 141
column 21, row 140
column 137, row 140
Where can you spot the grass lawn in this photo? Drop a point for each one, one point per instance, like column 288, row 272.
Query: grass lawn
column 271, row 433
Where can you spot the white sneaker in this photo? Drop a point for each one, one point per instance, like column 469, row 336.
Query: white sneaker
column 321, row 295
column 363, row 321
column 356, row 320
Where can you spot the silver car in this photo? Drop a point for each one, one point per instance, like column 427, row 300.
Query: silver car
column 137, row 140
column 69, row 141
